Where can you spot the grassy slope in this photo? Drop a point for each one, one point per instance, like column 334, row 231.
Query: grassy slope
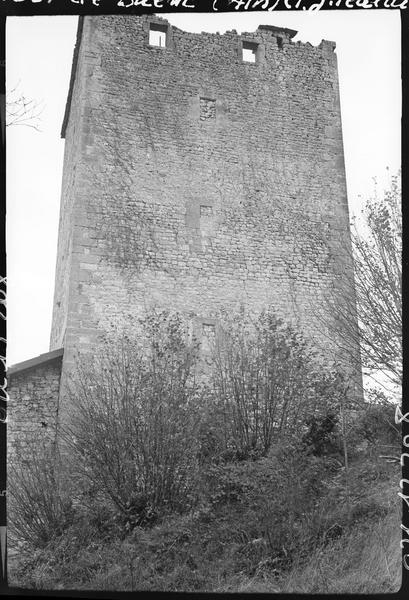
column 224, row 550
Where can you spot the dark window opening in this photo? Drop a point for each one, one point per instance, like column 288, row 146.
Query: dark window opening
column 280, row 42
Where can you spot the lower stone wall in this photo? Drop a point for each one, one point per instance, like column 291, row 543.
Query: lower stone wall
column 33, row 406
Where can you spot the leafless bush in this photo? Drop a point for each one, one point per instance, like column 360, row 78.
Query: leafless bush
column 267, row 380
column 136, row 409
column 40, row 507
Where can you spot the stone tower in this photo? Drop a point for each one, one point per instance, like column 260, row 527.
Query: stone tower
column 201, row 171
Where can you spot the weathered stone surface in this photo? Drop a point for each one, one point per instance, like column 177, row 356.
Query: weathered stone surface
column 33, row 407
column 196, row 181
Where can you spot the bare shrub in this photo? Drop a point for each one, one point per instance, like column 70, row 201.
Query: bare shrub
column 136, row 413
column 266, row 381
column 40, row 507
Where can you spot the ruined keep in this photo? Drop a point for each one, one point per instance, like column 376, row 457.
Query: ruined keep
column 201, row 172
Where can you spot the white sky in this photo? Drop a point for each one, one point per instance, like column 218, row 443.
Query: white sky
column 39, row 55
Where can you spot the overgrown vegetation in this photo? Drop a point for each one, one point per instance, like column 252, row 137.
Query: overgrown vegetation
column 40, row 506
column 378, row 275
column 136, row 417
column 267, row 382
column 257, row 477
column 369, row 304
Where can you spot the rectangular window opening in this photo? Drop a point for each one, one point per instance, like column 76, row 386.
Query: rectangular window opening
column 280, row 42
column 250, row 52
column 157, row 35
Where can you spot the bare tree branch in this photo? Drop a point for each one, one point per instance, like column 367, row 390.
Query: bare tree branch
column 21, row 110
column 377, row 286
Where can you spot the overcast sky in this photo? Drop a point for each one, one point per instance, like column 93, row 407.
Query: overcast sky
column 39, row 55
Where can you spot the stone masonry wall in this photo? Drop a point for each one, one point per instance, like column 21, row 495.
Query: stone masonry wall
column 66, row 248
column 195, row 181
column 32, row 409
